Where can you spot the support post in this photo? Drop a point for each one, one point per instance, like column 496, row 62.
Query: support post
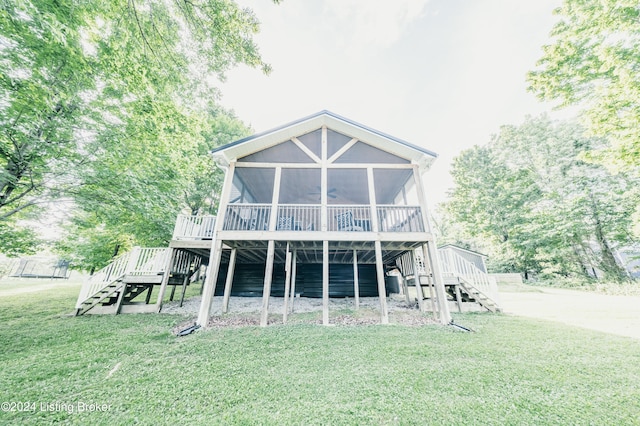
column 287, row 284
column 266, row 291
column 165, row 277
column 381, row 287
column 416, row 281
column 458, row 297
column 229, row 282
column 429, row 252
column 294, row 270
column 405, row 290
column 150, row 290
column 356, row 283
column 121, row 298
column 184, row 287
column 325, row 282
column 210, row 283
column 432, row 297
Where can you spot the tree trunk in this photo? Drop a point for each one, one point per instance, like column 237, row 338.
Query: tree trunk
column 607, row 264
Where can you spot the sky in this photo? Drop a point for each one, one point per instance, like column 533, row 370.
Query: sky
column 442, row 74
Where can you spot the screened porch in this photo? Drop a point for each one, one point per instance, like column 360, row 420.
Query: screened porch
column 324, row 196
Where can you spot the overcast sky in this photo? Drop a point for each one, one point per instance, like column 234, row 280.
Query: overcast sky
column 443, row 74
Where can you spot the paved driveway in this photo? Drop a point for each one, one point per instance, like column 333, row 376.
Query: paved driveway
column 611, row 314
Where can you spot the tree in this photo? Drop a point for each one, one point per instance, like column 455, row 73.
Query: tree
column 541, row 207
column 492, row 203
column 594, row 63
column 132, row 195
column 81, row 79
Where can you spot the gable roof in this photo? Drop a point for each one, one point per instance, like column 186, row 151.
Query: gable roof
column 240, row 148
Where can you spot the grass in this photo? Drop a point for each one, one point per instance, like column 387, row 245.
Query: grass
column 510, row 371
column 626, row 288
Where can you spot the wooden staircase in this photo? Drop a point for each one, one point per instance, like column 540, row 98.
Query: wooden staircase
column 466, row 283
column 466, row 292
column 124, row 279
column 103, row 297
column 116, row 288
column 463, row 281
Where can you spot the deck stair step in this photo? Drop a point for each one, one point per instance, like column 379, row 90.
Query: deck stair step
column 478, row 296
column 132, row 274
column 102, row 297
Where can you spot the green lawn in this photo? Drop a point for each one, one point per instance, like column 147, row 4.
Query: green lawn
column 510, row 371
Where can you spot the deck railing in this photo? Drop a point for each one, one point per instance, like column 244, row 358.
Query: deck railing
column 194, row 227
column 455, row 265
column 298, row 217
column 307, row 217
column 247, row 217
column 139, row 261
column 346, row 218
column 400, row 218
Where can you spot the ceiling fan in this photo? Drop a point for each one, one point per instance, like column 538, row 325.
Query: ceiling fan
column 330, row 192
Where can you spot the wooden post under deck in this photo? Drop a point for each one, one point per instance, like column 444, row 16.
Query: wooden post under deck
column 294, row 270
column 381, row 287
column 325, row 282
column 430, row 253
column 416, row 281
column 356, row 284
column 165, row 277
column 210, row 283
column 287, row 285
column 405, row 290
column 229, row 281
column 184, row 288
column 432, row 296
column 266, row 291
column 458, row 297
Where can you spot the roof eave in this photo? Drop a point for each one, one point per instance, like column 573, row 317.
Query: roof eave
column 230, row 152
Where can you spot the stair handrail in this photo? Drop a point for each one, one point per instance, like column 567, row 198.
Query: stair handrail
column 452, row 263
column 104, row 277
column 138, row 261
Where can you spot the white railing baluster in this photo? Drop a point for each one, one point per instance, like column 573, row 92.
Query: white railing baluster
column 194, row 227
column 452, row 263
column 139, row 261
column 394, row 218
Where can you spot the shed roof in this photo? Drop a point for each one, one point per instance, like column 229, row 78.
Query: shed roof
column 263, row 140
column 462, row 249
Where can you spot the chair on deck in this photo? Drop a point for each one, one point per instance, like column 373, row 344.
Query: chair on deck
column 285, row 223
column 346, row 222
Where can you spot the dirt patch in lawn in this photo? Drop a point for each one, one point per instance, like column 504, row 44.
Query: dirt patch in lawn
column 245, row 311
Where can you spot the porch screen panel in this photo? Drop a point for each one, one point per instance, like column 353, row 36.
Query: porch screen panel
column 249, row 206
column 364, row 153
column 285, row 152
column 313, row 141
column 347, row 186
column 335, row 141
column 300, row 186
column 299, row 200
column 348, row 200
column 398, row 208
column 253, row 185
column 391, row 186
